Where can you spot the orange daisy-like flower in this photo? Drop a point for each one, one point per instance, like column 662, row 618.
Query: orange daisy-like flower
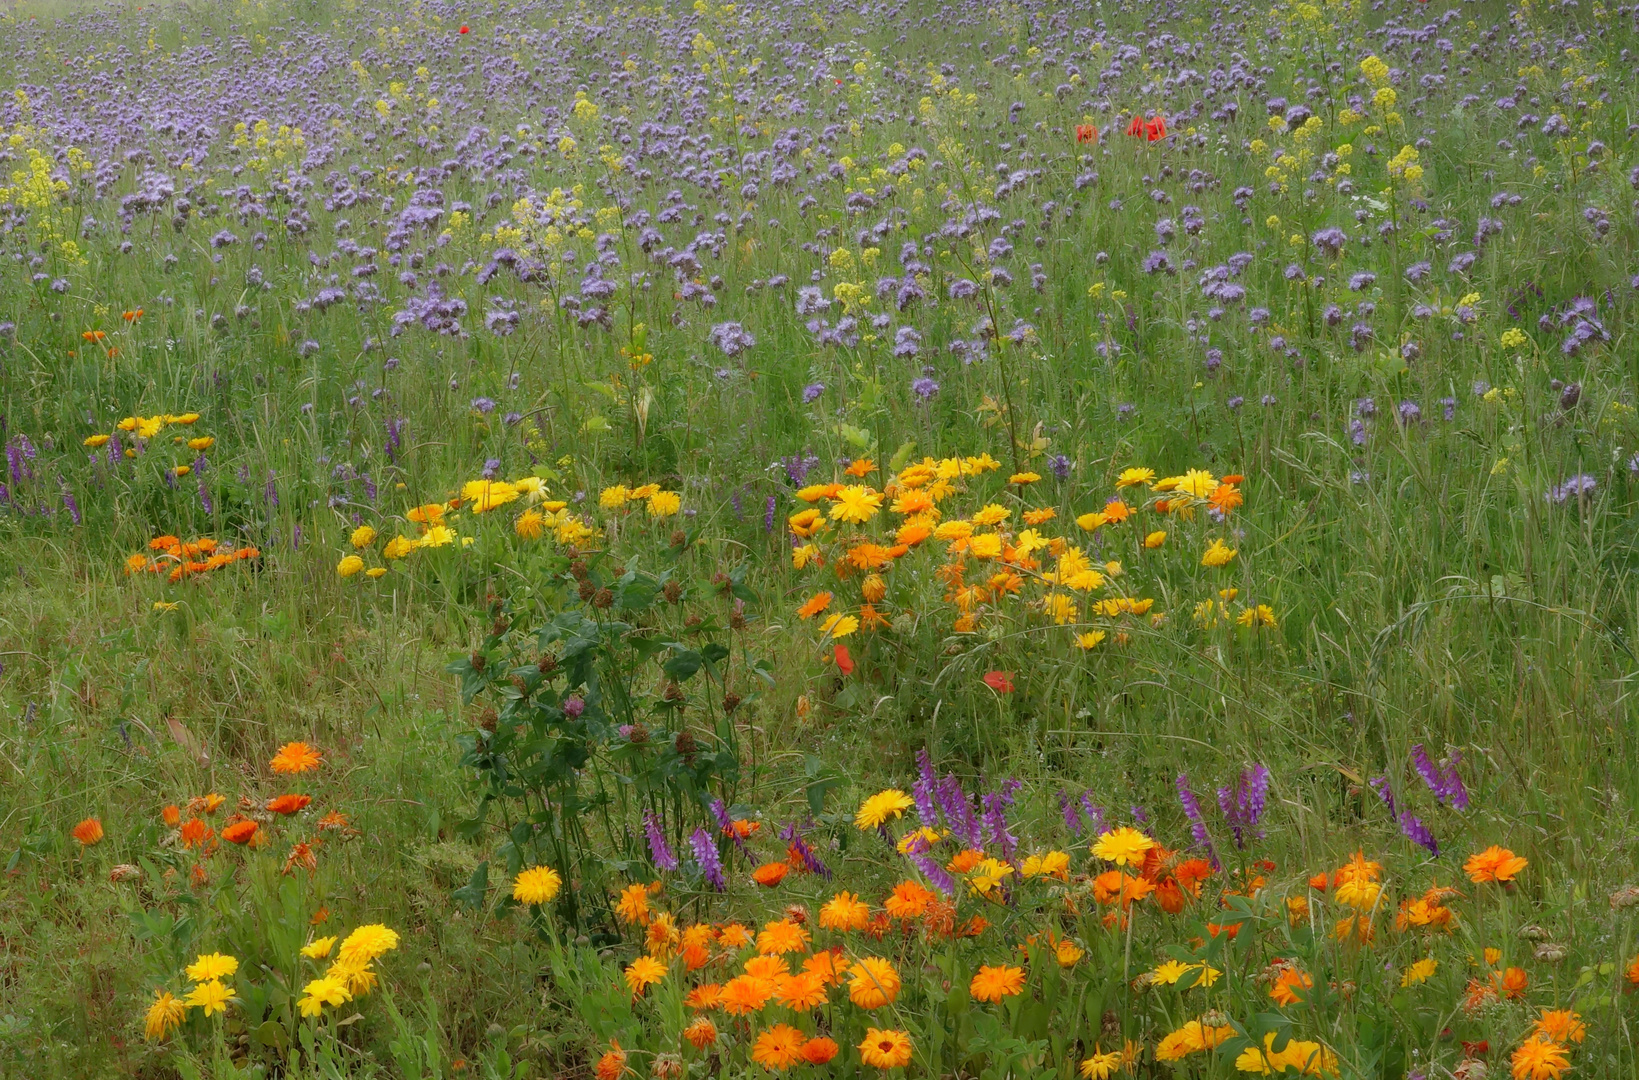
column 88, row 832
column 771, row 874
column 885, row 1049
column 819, row 1050
column 909, row 900
column 767, row 967
column 746, row 994
column 195, row 833
column 1496, row 864
column 703, row 997
column 814, row 605
column 829, row 964
column 734, row 936
column 240, row 832
column 778, row 1048
column 289, row 804
column 782, row 936
column 994, row 983
column 1288, row 986
column 844, row 912
column 873, row 983
column 804, row 990
column 295, row 757
column 633, row 905
column 171, row 815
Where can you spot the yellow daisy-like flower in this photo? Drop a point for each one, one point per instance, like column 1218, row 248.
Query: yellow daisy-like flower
column 1219, row 554
column 1134, row 477
column 319, row 948
column 366, row 943
column 1196, row 482
column 856, row 504
column 349, row 566
column 537, row 885
column 1155, row 539
column 882, row 807
column 839, row 626
column 1090, row 640
column 1101, row 1066
column 1420, row 972
column 1125, row 846
column 328, row 990
column 398, row 547
column 363, row 536
column 992, row 514
column 1022, row 478
column 211, row 966
column 212, row 997
column 665, row 504
column 644, row 972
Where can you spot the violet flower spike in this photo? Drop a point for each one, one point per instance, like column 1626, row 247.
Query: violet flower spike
column 659, row 851
column 1094, row 814
column 705, row 853
column 923, row 790
column 726, row 823
column 1197, row 820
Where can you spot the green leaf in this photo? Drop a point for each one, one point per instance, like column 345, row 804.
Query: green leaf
column 473, row 892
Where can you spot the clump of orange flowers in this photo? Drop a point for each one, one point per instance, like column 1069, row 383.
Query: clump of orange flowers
column 178, row 559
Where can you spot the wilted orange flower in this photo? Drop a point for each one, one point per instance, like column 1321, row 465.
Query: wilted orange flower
column 1495, row 863
column 288, row 804
column 88, row 832
column 701, row 1033
column 612, row 1064
column 335, row 819
column 195, row 833
column 205, row 804
column 240, row 832
column 301, row 856
column 295, row 757
column 1170, row 896
column 1086, row 133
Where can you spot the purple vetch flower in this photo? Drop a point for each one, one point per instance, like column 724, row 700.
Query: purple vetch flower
column 922, row 792
column 958, row 811
column 917, row 848
column 1059, row 466
column 811, row 392
column 798, row 465
column 1446, row 783
column 705, row 854
column 726, row 823
column 1243, row 805
column 1410, row 825
column 73, row 507
column 768, row 514
column 995, row 818
column 1072, row 818
column 659, row 850
column 1197, row 820
column 805, row 853
column 1093, row 813
column 204, row 501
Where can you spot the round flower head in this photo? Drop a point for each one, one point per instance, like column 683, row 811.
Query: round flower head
column 994, row 983
column 366, row 943
column 873, row 983
column 211, row 997
column 779, row 1047
column 885, row 1049
column 1125, row 846
column 882, row 807
column 295, row 757
column 537, row 885
column 211, row 966
column 165, row 1015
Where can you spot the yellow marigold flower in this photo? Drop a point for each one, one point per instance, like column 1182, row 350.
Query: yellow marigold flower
column 363, row 536
column 665, row 504
column 1125, row 846
column 844, row 912
column 992, row 514
column 856, row 504
column 1090, row 640
column 1101, row 1066
column 165, row 1015
column 349, row 566
column 366, row 943
column 398, row 547
column 1052, row 864
column 1218, row 554
column 212, row 997
column 319, row 948
column 1155, row 539
column 211, row 966
column 613, row 498
column 1196, row 482
column 428, row 514
column 437, row 536
column 882, row 807
column 485, row 495
column 530, row 525
column 644, row 972
column 95, row 441
column 1134, row 477
column 328, row 990
column 537, row 885
column 839, row 626
column 1022, row 478
column 1420, row 972
column 204, row 442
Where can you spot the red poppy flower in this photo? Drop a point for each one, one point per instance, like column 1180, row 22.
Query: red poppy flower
column 1476, row 1049
column 240, row 832
column 1137, row 126
column 463, row 29
column 999, row 681
column 1156, row 128
column 1086, row 133
column 845, row 662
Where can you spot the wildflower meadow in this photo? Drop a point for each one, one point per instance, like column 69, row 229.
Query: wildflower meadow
column 954, row 539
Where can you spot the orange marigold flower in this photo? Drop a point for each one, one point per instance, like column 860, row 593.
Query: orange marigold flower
column 814, row 605
column 994, row 983
column 844, row 912
column 1539, row 1059
column 195, row 833
column 633, row 905
column 1494, row 864
column 819, row 1050
column 703, row 997
column 289, row 804
column 803, row 990
column 746, row 994
column 1561, row 1026
column 873, row 982
column 909, row 900
column 295, row 757
column 782, row 936
column 88, row 832
column 1170, row 896
column 1288, row 984
column 1511, row 983
column 770, row 874
column 240, row 832
column 780, row 1047
column 171, row 815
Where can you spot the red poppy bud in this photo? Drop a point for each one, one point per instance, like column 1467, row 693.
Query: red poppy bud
column 845, row 662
